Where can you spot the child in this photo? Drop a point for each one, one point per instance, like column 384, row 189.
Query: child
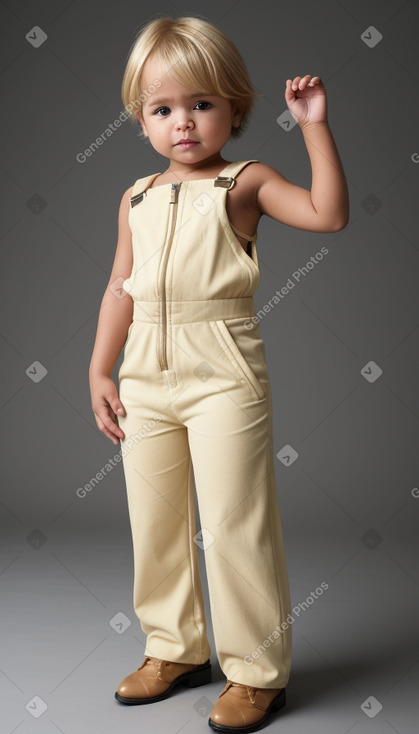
column 194, row 398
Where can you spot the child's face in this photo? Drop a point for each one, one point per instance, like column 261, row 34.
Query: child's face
column 173, row 112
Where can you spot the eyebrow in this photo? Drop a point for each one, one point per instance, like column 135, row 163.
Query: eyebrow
column 151, row 102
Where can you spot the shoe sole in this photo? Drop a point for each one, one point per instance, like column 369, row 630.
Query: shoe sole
column 278, row 702
column 193, row 679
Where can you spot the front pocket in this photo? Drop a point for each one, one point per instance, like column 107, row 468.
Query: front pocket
column 240, row 364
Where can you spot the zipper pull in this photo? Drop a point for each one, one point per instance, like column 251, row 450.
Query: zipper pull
column 174, row 192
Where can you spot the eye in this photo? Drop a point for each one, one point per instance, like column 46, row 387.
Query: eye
column 160, row 109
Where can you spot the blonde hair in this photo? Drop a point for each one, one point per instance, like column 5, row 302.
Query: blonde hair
column 198, row 55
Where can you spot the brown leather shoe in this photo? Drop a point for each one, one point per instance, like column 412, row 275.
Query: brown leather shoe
column 243, row 709
column 155, row 678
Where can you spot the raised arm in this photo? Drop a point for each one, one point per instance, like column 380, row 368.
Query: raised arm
column 326, row 207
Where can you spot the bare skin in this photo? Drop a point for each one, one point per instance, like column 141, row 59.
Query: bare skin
column 259, row 189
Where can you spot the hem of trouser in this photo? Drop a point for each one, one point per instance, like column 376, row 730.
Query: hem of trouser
column 251, row 679
column 257, row 685
column 162, row 656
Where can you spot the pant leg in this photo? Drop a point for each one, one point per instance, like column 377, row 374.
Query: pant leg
column 231, row 444
column 167, row 594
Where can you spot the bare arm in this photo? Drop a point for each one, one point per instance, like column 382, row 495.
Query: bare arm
column 326, row 207
column 115, row 316
column 329, row 190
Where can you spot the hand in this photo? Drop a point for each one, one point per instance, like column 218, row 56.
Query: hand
column 306, row 99
column 105, row 405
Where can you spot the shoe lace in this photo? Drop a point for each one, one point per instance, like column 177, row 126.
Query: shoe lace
column 159, row 663
column 251, row 690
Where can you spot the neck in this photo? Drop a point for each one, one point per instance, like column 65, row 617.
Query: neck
column 208, row 165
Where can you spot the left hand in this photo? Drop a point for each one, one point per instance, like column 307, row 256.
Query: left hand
column 306, row 99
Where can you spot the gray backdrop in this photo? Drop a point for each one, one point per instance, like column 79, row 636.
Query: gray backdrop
column 342, row 348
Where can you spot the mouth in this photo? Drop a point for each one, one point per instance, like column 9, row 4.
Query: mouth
column 186, row 143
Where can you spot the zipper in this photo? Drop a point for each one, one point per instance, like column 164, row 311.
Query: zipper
column 174, row 193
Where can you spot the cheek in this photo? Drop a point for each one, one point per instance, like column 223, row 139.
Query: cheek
column 157, row 131
column 215, row 124
column 223, row 120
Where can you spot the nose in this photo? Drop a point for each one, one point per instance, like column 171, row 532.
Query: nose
column 184, row 122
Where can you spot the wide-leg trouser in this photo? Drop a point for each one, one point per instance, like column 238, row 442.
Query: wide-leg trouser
column 205, row 421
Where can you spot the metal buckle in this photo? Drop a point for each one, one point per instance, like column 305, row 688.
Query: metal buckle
column 227, row 182
column 137, row 198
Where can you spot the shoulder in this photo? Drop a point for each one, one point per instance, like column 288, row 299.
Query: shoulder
column 253, row 177
column 128, row 192
column 125, row 199
column 257, row 173
column 138, row 185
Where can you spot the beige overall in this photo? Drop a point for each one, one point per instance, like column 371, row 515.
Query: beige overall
column 197, row 396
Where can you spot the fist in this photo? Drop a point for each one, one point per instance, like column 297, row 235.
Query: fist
column 306, row 99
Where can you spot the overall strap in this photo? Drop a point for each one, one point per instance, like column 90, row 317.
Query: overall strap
column 140, row 186
column 226, row 177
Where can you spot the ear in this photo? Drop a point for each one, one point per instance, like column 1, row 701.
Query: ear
column 142, row 123
column 237, row 109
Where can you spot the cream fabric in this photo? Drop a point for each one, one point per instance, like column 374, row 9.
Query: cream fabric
column 198, row 423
